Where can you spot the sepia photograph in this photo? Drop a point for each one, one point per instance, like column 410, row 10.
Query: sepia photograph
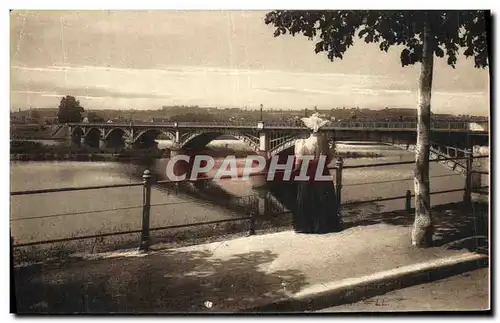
column 250, row 161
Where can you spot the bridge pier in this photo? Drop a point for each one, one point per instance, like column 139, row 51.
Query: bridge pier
column 263, row 142
column 79, row 142
column 130, row 143
column 259, row 181
column 103, row 144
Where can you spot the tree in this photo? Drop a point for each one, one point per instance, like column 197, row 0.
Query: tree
column 95, row 117
column 194, row 117
column 70, row 110
column 420, row 35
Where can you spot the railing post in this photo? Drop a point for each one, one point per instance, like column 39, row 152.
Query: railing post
column 468, row 184
column 338, row 182
column 146, row 206
column 251, row 229
column 408, row 201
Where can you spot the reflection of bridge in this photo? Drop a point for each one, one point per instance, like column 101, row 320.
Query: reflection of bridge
column 269, row 138
column 450, row 157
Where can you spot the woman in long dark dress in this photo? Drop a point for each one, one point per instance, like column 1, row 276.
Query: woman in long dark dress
column 316, row 209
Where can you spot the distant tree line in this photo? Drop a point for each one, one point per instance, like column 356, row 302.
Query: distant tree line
column 70, row 110
column 190, row 116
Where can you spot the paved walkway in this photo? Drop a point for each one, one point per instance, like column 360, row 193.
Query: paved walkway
column 465, row 292
column 234, row 275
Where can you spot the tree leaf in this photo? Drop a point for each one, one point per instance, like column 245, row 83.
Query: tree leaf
column 439, row 52
column 405, row 57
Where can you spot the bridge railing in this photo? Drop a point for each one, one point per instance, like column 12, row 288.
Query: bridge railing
column 440, row 125
column 397, row 125
column 371, row 125
column 218, row 124
column 147, row 183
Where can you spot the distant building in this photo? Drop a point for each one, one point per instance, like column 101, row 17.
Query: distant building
column 157, row 120
column 23, row 119
column 17, row 119
column 50, row 120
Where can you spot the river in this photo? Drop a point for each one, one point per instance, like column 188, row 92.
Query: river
column 183, row 209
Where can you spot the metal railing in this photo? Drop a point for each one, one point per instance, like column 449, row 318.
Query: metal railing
column 147, row 183
column 393, row 125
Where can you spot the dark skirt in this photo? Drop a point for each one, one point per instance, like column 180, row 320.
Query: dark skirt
column 315, row 208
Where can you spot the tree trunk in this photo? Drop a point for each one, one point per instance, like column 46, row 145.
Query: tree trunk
column 423, row 229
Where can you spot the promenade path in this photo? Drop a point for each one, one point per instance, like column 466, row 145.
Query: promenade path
column 468, row 291
column 244, row 273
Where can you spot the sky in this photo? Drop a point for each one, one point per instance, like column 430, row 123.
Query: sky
column 147, row 59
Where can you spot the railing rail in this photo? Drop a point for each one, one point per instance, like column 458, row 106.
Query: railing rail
column 438, row 125
column 72, row 189
column 146, row 206
column 201, row 178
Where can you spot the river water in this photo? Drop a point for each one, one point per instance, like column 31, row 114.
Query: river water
column 182, row 209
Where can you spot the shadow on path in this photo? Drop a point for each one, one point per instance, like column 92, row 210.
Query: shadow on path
column 454, row 226
column 164, row 282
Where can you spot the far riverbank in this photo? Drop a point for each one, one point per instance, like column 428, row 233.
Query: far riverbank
column 38, row 151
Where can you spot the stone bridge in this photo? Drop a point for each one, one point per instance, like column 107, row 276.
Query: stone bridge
column 269, row 138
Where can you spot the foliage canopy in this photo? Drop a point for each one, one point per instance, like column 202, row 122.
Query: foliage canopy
column 70, row 110
column 334, row 31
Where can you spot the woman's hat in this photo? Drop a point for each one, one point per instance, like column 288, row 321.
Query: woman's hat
column 315, row 122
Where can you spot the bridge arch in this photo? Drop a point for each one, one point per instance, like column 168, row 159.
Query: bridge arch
column 200, row 139
column 93, row 132
column 115, row 137
column 154, row 133
column 92, row 137
column 280, row 142
column 77, row 131
column 287, row 142
column 283, row 144
column 114, row 132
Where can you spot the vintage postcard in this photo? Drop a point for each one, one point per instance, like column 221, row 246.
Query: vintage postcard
column 320, row 161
